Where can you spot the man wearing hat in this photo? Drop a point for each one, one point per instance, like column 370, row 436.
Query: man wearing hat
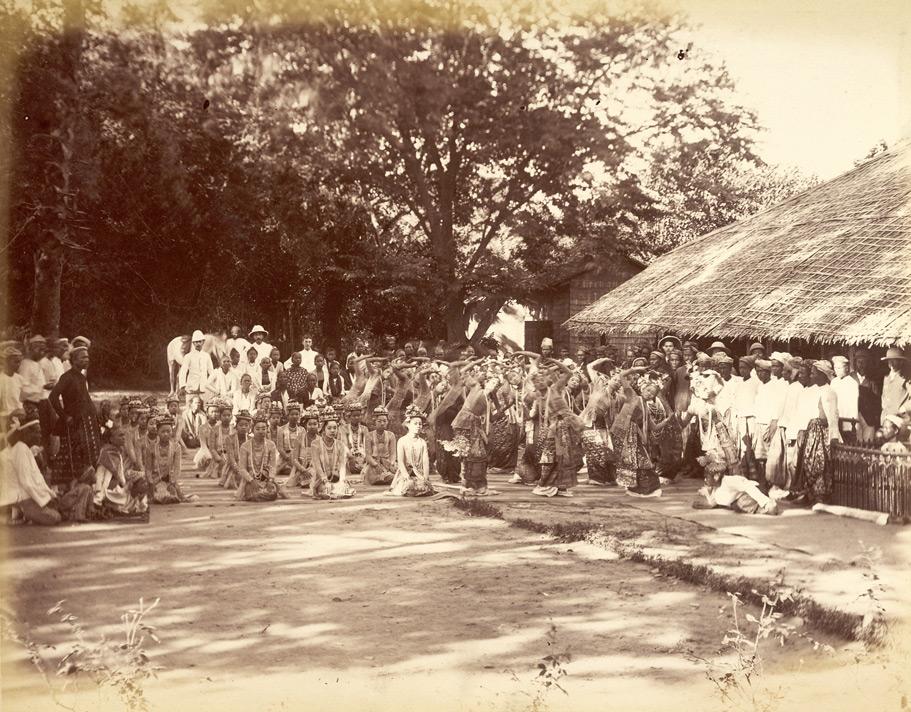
column 236, row 342
column 718, row 347
column 196, row 368
column 10, row 384
column 892, row 427
column 263, row 348
column 847, row 393
column 34, row 384
column 757, row 349
column 894, row 392
column 869, row 404
column 547, row 347
column 669, row 343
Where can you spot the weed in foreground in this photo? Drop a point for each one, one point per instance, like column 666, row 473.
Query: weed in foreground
column 119, row 665
column 551, row 673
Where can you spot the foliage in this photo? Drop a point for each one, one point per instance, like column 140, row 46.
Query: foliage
column 551, row 672
column 341, row 166
column 122, row 666
column 741, row 682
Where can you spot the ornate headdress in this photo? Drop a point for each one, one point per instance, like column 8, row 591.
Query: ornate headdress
column 354, row 406
column 380, row 410
column 293, row 405
column 328, row 414
column 310, row 413
column 243, row 415
column 165, row 419
column 260, row 417
column 414, row 412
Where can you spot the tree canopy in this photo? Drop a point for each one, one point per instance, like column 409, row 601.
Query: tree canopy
column 348, row 166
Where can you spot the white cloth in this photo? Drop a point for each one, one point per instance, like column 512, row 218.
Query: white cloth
column 769, row 401
column 10, row 393
column 33, row 380
column 790, row 417
column 21, row 478
column 263, row 350
column 223, row 384
column 732, row 485
column 807, row 408
column 744, row 398
column 52, row 368
column 195, row 371
column 240, row 344
column 847, row 391
column 243, row 401
column 724, row 401
column 308, row 359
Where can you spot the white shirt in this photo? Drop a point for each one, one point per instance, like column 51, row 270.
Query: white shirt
column 807, row 408
column 223, row 384
column 22, row 479
column 744, row 398
column 10, row 393
column 243, row 401
column 847, row 390
column 308, row 359
column 790, row 416
column 725, row 398
column 240, row 344
column 195, row 372
column 263, row 350
column 33, row 380
column 52, row 368
column 770, row 398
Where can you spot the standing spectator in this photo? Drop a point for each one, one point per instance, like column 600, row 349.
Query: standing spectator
column 77, row 424
column 894, row 392
column 10, row 384
column 847, row 393
column 869, row 405
column 236, row 343
column 196, row 368
column 307, row 354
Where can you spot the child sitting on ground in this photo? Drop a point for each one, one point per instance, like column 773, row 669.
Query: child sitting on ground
column 380, row 468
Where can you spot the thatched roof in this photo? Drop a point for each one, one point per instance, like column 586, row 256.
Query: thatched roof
column 832, row 264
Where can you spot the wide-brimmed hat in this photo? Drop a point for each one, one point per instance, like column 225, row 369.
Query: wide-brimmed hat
column 669, row 337
column 719, row 345
column 894, row 352
column 756, row 345
column 197, row 336
column 258, row 329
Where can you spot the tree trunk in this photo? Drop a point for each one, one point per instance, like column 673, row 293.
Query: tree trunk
column 486, row 315
column 46, row 298
column 456, row 317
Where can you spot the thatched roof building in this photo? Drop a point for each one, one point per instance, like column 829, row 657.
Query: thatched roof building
column 830, row 265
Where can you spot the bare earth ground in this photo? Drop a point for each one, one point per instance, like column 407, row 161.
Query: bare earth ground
column 376, row 604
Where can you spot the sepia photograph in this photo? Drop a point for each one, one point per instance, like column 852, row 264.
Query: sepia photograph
column 455, row 355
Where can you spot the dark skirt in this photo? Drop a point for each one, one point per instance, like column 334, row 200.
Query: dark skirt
column 476, row 474
column 814, row 462
column 598, row 456
column 502, row 444
column 80, row 445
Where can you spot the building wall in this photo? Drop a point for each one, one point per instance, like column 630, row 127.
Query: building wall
column 588, row 287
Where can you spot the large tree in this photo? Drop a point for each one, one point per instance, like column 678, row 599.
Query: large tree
column 491, row 136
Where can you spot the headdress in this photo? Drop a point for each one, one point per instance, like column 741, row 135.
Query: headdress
column 125, row 400
column 310, row 413
column 756, row 345
column 825, row 368
column 165, row 419
column 413, row 411
column 719, row 345
column 354, row 406
column 243, row 415
column 197, row 336
column 840, row 359
column 380, row 410
column 37, row 339
column 762, row 363
column 135, row 402
column 328, row 414
column 895, row 420
column 276, row 408
column 82, row 341
column 260, row 417
column 673, row 339
column 639, row 362
column 78, row 350
column 258, row 330
column 293, row 405
column 17, row 421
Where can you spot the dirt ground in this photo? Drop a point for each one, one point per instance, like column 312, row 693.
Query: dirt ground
column 376, row 604
column 370, row 604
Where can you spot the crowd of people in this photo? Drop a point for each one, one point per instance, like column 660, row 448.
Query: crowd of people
column 756, row 430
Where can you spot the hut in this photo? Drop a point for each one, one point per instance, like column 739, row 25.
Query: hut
column 571, row 290
column 830, row 266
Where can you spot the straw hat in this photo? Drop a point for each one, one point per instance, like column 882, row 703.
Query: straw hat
column 672, row 339
column 896, row 353
column 719, row 345
column 258, row 329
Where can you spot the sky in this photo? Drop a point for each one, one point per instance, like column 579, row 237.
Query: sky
column 828, row 80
